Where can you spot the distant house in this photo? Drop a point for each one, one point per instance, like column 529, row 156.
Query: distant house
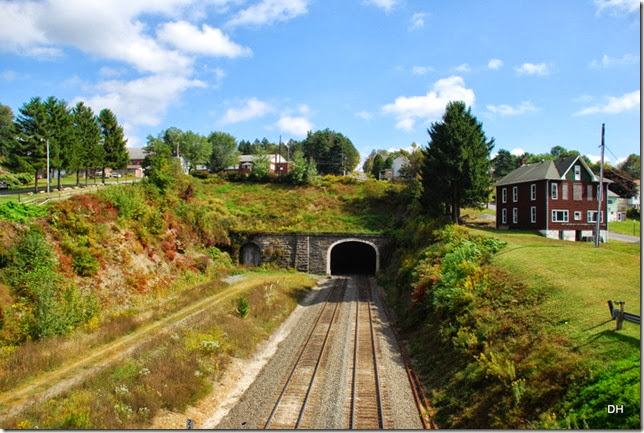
column 614, row 211
column 278, row 164
column 137, row 155
column 556, row 198
column 394, row 172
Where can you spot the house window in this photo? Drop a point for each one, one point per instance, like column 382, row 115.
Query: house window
column 504, row 195
column 589, row 192
column 533, row 191
column 515, row 215
column 504, row 216
column 577, row 190
column 577, row 215
column 554, row 192
column 515, row 193
column 591, row 216
column 564, row 191
column 577, row 172
column 559, row 216
column 533, row 214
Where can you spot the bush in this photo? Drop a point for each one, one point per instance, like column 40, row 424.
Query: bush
column 20, row 212
column 633, row 214
column 242, row 307
column 130, row 201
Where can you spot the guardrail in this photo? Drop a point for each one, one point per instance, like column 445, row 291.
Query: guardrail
column 620, row 315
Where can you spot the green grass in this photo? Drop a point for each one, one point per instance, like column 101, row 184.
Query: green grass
column 330, row 207
column 579, row 280
column 628, row 227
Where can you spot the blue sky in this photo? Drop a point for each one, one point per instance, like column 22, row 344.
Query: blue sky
column 537, row 73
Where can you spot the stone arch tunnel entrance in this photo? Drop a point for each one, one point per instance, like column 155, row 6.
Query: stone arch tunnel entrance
column 353, row 257
column 250, row 254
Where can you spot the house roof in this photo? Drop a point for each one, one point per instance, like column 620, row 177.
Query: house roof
column 544, row 170
column 136, row 153
column 271, row 157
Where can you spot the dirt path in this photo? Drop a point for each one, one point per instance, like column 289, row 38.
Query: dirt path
column 52, row 383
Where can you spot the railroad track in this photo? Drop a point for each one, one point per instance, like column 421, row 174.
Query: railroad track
column 295, row 407
column 366, row 399
column 291, row 405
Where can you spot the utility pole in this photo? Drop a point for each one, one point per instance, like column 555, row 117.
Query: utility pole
column 600, row 192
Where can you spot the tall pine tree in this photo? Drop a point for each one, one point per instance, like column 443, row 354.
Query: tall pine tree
column 87, row 136
column 116, row 156
column 456, row 167
column 29, row 153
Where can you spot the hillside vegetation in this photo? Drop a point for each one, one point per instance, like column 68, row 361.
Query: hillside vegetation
column 510, row 330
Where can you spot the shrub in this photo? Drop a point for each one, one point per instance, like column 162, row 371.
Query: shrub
column 20, row 212
column 242, row 307
column 130, row 201
column 633, row 214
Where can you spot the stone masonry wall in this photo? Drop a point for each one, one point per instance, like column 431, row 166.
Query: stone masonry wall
column 309, row 252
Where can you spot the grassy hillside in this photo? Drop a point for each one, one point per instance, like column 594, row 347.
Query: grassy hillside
column 336, row 204
column 512, row 330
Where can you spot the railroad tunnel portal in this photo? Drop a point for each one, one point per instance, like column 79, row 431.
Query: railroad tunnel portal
column 316, row 253
column 352, row 257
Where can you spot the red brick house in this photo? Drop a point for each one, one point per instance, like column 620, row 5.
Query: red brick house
column 556, row 198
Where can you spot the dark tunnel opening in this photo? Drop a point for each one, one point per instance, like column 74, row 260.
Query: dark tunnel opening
column 353, row 258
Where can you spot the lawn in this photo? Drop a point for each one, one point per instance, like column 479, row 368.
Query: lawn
column 628, row 227
column 579, row 280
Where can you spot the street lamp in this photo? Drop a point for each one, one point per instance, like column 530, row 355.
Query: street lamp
column 48, row 165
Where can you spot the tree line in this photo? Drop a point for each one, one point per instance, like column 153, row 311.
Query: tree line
column 76, row 139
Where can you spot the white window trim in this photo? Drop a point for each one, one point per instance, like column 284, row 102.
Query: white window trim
column 554, row 191
column 577, row 215
column 515, row 194
column 565, row 215
column 504, row 216
column 504, row 195
column 591, row 216
column 533, row 191
column 533, row 214
column 589, row 189
column 515, row 215
column 577, row 172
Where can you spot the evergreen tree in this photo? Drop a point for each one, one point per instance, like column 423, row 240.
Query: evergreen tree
column 377, row 166
column 114, row 142
column 87, row 135
column 60, row 131
column 29, row 153
column 456, row 164
column 332, row 152
column 7, row 132
column 504, row 162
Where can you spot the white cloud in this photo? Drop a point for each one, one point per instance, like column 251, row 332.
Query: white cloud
column 430, row 106
column 421, row 70
column 617, row 6
column 533, row 69
column 507, row 110
column 139, row 100
column 517, row 151
column 297, row 126
column 364, row 115
column 207, row 41
column 609, row 62
column 8, row 75
column 596, row 158
column 386, row 5
column 269, row 12
column 254, row 108
column 463, row 68
column 495, row 64
column 614, row 105
column 417, row 20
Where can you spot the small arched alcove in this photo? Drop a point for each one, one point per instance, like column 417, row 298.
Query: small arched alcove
column 250, row 254
column 352, row 256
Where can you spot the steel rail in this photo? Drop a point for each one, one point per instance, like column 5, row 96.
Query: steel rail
column 375, row 359
column 336, row 284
